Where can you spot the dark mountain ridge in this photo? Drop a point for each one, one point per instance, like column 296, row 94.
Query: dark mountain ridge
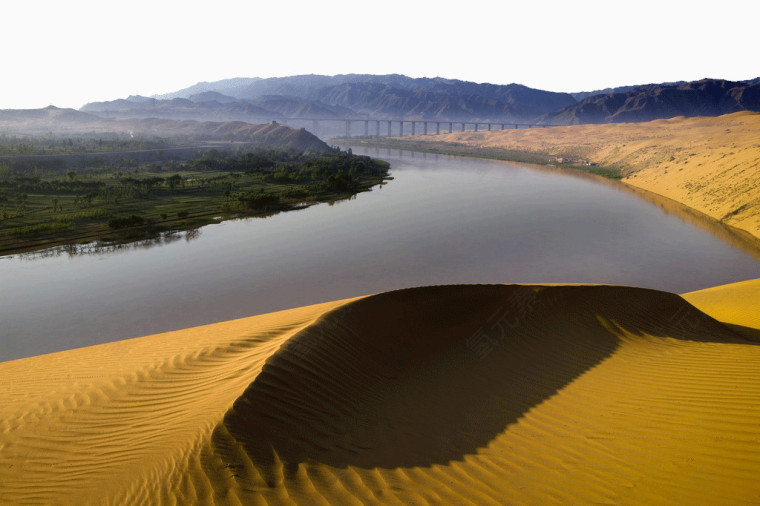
column 581, row 95
column 706, row 97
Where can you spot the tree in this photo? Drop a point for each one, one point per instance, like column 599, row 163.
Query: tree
column 173, row 181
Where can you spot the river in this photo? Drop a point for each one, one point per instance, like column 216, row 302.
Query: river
column 440, row 220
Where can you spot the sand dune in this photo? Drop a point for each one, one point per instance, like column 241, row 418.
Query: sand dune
column 453, row 394
column 736, row 304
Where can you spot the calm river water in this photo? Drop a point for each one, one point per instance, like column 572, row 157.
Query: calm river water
column 441, row 220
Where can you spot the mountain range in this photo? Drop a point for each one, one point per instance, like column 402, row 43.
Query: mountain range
column 353, row 95
column 396, row 96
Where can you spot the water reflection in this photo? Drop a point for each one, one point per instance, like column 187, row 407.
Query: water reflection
column 97, row 248
column 731, row 235
column 104, row 248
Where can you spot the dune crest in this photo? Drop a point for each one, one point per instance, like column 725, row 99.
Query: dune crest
column 456, row 394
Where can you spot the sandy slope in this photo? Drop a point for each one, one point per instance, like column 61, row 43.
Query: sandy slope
column 737, row 303
column 454, row 394
column 709, row 164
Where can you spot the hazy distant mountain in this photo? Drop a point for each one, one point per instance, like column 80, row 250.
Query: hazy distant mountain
column 444, row 100
column 69, row 121
column 389, row 96
column 295, row 107
column 205, row 106
column 211, row 96
column 217, row 86
column 707, row 97
column 45, row 120
column 396, row 96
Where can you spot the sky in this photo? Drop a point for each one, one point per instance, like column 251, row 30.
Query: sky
column 68, row 53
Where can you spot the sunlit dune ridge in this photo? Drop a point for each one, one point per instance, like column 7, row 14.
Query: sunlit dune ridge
column 470, row 394
column 736, row 304
column 711, row 164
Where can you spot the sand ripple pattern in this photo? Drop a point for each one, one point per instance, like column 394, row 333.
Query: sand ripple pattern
column 454, row 394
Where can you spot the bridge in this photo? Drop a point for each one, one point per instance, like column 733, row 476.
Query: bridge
column 393, row 127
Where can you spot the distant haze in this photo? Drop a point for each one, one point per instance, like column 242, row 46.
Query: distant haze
column 71, row 53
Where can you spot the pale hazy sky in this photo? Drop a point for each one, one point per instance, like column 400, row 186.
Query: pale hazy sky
column 71, row 52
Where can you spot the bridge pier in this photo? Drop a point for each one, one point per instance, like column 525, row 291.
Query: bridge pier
column 437, row 127
column 348, row 128
column 451, row 127
column 377, row 128
column 489, row 127
column 463, row 127
column 476, row 127
column 502, row 126
column 424, row 123
column 389, row 128
column 401, row 128
column 414, row 125
column 366, row 128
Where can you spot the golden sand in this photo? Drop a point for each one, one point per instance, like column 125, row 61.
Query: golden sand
column 737, row 303
column 709, row 164
column 478, row 394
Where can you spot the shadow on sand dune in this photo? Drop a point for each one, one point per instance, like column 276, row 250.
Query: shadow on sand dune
column 426, row 376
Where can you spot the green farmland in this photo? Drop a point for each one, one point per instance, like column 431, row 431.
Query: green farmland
column 119, row 200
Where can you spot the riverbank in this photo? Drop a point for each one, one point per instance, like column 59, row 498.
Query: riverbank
column 109, row 204
column 708, row 164
column 490, row 393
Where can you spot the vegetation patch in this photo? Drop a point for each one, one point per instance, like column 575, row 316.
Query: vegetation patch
column 123, row 200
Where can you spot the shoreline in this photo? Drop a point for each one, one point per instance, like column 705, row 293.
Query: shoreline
column 737, row 237
column 175, row 207
column 708, row 164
